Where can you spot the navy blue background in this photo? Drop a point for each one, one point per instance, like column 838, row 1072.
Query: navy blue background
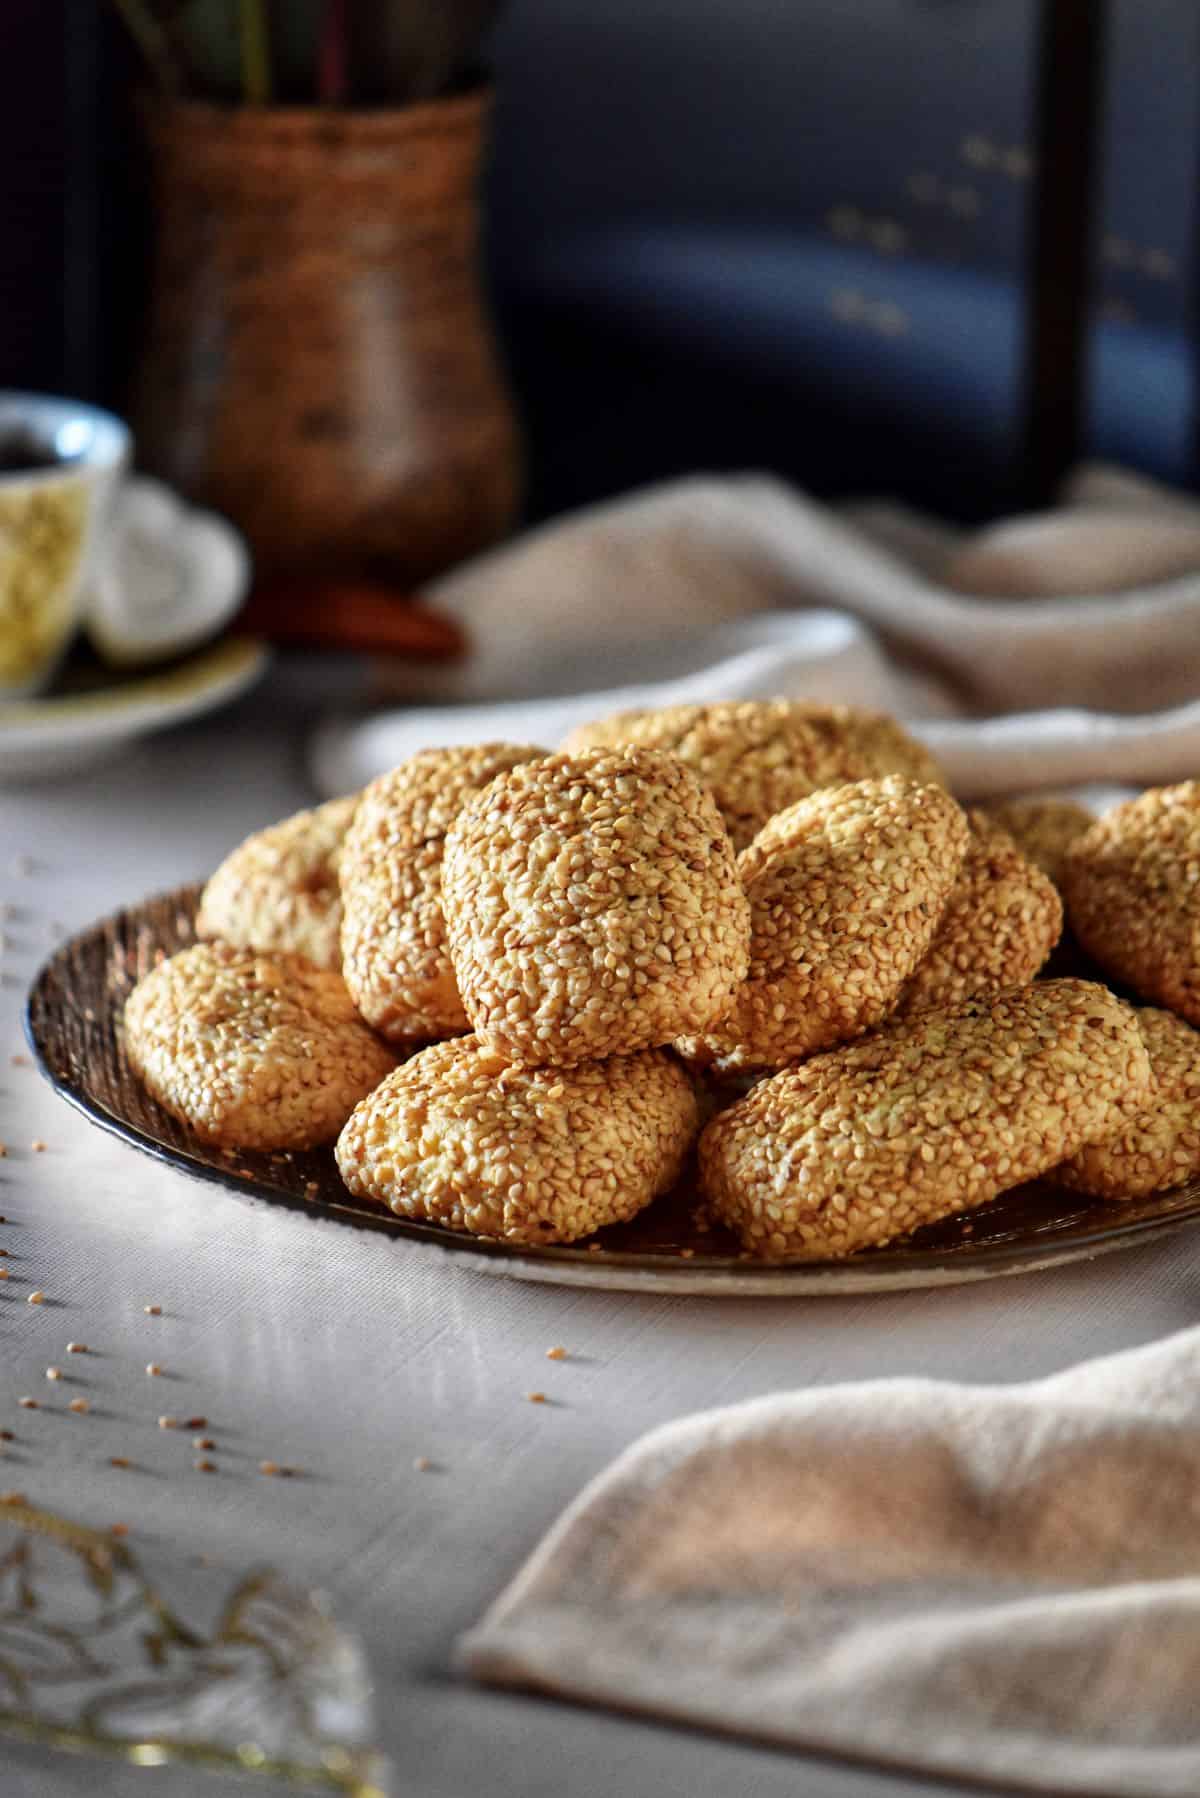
column 718, row 234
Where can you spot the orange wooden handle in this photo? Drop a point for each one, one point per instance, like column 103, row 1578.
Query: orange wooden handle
column 348, row 615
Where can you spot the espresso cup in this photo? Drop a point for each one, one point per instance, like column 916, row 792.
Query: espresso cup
column 60, row 466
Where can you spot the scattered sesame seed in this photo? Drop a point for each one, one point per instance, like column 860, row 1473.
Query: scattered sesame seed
column 36, row 1298
column 3, row 1252
column 38, row 1146
column 3, row 1150
column 168, row 1423
column 6, row 1436
column 203, row 1442
column 20, row 1061
column 536, row 1398
column 54, row 1373
column 119, row 1461
column 686, row 1254
column 196, row 1423
column 557, row 1353
column 77, row 1348
column 28, row 1404
column 203, row 1466
column 13, row 1498
column 270, row 1468
column 153, row 1368
column 118, row 1529
column 79, row 1406
column 4, row 1274
column 422, row 1464
column 152, row 1310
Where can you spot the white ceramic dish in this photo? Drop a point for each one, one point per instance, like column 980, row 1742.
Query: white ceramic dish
column 67, row 731
column 171, row 577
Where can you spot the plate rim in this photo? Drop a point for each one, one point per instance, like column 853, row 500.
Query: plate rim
column 237, row 662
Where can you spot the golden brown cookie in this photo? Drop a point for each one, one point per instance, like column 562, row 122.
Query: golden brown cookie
column 279, row 889
column 1157, row 1145
column 593, row 907
column 1132, row 887
column 252, row 1050
column 459, row 1137
column 394, row 954
column 1002, row 919
column 1042, row 829
column 846, row 891
column 757, row 757
column 932, row 1116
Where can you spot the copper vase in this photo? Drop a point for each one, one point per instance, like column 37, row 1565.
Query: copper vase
column 319, row 364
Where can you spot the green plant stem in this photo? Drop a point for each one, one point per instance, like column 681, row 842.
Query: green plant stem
column 152, row 41
column 256, row 54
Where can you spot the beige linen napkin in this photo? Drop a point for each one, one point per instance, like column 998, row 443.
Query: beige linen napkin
column 999, row 1582
column 727, row 588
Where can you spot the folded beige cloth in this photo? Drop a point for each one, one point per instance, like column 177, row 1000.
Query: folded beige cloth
column 999, row 1582
column 741, row 588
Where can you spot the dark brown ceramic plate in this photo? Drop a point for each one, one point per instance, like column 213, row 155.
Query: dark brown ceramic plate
column 72, row 1022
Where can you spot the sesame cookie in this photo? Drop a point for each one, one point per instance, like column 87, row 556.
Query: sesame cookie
column 846, row 891
column 1156, row 1147
column 593, row 907
column 1042, row 829
column 459, row 1137
column 757, row 757
column 1132, row 887
column 1002, row 919
column 279, row 889
column 394, row 954
column 932, row 1116
column 252, row 1050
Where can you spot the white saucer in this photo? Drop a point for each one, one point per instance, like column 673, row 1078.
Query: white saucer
column 66, row 731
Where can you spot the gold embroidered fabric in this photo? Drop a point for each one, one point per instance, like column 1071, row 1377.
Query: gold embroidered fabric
column 93, row 1657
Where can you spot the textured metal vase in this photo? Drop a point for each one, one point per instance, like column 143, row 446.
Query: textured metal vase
column 319, row 363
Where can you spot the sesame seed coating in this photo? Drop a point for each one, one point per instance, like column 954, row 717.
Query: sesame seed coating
column 279, row 889
column 1155, row 1147
column 757, row 757
column 846, row 890
column 1043, row 829
column 1001, row 921
column 1132, row 887
column 931, row 1116
column 395, row 959
column 250, row 1050
column 461, row 1138
column 593, row 907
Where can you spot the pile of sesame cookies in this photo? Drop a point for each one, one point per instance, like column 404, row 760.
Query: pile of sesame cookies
column 514, row 984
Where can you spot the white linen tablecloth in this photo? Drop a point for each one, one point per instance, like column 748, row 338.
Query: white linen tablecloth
column 348, row 1356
